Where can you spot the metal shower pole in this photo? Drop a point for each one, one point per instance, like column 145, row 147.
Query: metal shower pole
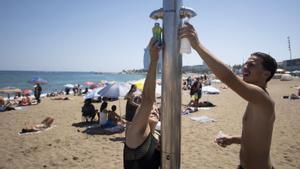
column 171, row 87
column 171, row 13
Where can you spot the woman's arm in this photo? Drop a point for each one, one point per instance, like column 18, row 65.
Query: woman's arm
column 131, row 100
column 138, row 130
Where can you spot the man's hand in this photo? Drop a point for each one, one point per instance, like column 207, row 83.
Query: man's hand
column 223, row 140
column 189, row 32
column 154, row 47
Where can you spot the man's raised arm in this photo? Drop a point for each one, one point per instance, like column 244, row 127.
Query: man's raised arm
column 249, row 92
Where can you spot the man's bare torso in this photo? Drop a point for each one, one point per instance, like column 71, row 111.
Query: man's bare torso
column 257, row 136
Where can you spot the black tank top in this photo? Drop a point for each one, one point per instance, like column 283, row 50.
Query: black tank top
column 144, row 156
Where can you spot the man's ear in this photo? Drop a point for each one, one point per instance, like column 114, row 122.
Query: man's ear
column 267, row 74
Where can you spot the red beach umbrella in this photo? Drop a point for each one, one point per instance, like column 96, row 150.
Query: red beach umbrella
column 26, row 91
column 37, row 80
column 88, row 83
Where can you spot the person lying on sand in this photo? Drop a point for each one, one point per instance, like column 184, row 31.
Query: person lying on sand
column 293, row 96
column 60, row 98
column 46, row 123
column 5, row 107
column 26, row 101
column 188, row 110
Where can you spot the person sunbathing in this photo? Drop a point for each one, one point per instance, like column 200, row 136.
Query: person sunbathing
column 5, row 107
column 60, row 98
column 188, row 110
column 46, row 123
column 26, row 101
column 293, row 96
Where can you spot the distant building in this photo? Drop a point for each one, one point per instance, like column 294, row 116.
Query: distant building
column 290, row 65
column 147, row 60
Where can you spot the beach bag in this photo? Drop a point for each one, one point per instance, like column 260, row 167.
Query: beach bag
column 206, row 104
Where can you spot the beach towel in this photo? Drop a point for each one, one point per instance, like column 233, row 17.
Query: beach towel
column 115, row 129
column 18, row 108
column 204, row 108
column 30, row 133
column 203, row 119
column 92, row 126
column 189, row 110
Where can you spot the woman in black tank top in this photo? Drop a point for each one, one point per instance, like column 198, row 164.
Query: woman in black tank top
column 141, row 146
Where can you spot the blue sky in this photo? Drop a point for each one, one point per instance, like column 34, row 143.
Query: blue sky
column 102, row 35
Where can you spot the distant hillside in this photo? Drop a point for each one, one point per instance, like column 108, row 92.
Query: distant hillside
column 195, row 69
column 185, row 69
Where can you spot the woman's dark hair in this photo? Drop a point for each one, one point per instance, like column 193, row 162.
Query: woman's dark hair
column 113, row 107
column 133, row 86
column 269, row 63
column 88, row 101
column 103, row 106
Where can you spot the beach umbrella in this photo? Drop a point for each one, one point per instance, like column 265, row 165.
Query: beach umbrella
column 210, row 90
column 139, row 84
column 279, row 70
column 69, row 85
column 89, row 83
column 115, row 90
column 7, row 90
column 296, row 71
column 103, row 82
column 37, row 80
column 26, row 91
column 93, row 93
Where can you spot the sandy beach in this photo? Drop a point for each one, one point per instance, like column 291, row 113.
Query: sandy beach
column 69, row 144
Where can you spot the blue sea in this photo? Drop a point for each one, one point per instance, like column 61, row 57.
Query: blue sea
column 57, row 80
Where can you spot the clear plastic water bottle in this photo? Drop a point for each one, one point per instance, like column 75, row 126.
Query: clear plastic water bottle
column 185, row 45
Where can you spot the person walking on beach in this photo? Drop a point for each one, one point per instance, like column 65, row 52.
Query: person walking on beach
column 37, row 92
column 259, row 116
column 141, row 149
column 131, row 106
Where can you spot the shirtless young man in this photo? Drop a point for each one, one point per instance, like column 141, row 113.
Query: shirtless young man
column 259, row 116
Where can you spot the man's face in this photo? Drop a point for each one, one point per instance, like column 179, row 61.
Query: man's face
column 253, row 70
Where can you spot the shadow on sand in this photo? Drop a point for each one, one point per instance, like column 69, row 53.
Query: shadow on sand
column 93, row 128
column 85, row 124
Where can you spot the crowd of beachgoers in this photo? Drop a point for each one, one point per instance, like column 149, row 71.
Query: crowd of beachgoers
column 100, row 114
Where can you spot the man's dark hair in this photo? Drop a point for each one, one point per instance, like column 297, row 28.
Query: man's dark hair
column 269, row 63
column 113, row 107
